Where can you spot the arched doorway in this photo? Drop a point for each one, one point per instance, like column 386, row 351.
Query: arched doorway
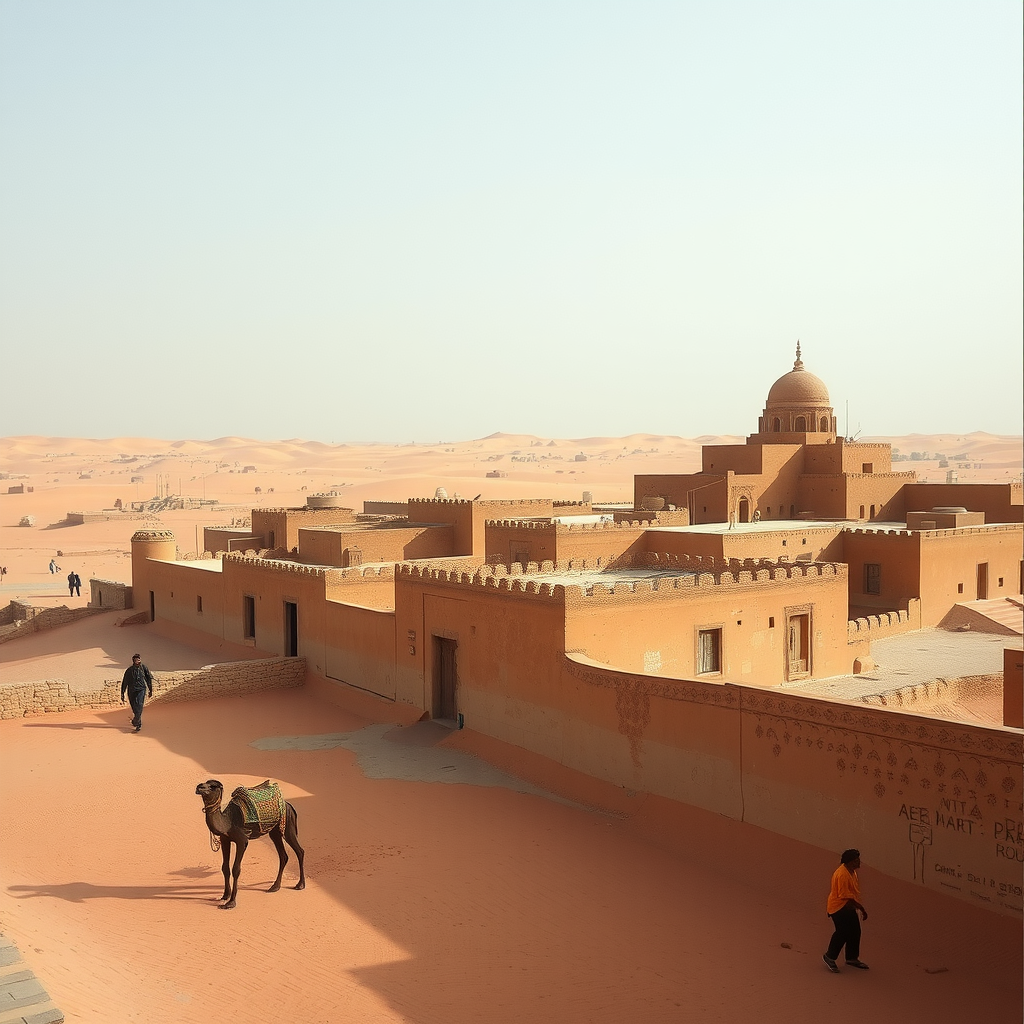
column 824, row 425
column 801, row 424
column 744, row 511
column 776, row 425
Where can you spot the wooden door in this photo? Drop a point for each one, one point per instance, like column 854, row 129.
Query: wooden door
column 445, row 677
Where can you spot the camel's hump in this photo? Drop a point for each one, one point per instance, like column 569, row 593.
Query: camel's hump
column 261, row 805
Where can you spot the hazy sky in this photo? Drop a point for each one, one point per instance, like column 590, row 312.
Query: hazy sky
column 433, row 220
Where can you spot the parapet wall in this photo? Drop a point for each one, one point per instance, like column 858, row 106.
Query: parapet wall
column 514, row 580
column 891, row 623
column 229, row 679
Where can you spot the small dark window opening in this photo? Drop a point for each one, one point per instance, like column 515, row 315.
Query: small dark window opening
column 199, row 604
column 872, row 578
column 771, row 621
column 249, row 617
column 959, row 588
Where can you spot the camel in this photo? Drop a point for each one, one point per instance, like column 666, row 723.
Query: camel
column 227, row 826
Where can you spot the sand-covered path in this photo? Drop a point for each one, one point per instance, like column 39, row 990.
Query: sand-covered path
column 455, row 900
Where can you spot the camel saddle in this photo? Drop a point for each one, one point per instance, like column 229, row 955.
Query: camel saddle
column 262, row 807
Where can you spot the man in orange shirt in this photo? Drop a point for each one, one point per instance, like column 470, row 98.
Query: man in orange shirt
column 843, row 905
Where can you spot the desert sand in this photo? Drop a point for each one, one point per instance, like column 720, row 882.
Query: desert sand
column 437, row 890
column 450, row 878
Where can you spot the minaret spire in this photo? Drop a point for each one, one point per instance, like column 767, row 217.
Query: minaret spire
column 798, row 365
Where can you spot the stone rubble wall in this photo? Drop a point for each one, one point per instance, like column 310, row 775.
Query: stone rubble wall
column 228, row 679
column 19, row 619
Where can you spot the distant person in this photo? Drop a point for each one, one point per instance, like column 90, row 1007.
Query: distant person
column 757, row 515
column 53, row 566
column 843, row 906
column 137, row 680
column 74, row 584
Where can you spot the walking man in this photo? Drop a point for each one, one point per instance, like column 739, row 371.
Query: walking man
column 137, row 680
column 843, row 906
column 74, row 584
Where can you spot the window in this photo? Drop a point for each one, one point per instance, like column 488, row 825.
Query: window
column 768, row 512
column 867, row 467
column 1000, row 581
column 872, row 578
column 771, row 621
column 709, row 651
column 801, row 424
column 249, row 617
column 776, row 425
column 959, row 588
column 199, row 604
column 872, row 511
column 824, row 424
column 862, row 512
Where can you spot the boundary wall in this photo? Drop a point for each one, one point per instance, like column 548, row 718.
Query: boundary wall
column 229, row 679
column 937, row 803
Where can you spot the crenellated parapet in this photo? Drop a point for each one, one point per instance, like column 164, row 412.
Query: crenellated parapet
column 699, row 575
column 534, row 524
column 889, row 623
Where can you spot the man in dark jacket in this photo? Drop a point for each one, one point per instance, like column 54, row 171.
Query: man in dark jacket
column 137, row 680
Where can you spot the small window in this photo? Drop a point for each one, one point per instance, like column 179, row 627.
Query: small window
column 199, row 604
column 959, row 588
column 824, row 424
column 872, row 578
column 249, row 617
column 709, row 651
column 1000, row 581
column 862, row 512
column 768, row 512
column 785, row 542
column 872, row 511
column 270, row 540
column 804, row 541
column 867, row 468
column 771, row 621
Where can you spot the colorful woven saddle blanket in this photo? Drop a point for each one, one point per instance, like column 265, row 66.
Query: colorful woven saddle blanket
column 262, row 807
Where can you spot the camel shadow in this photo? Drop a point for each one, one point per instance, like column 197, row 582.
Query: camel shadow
column 80, row 892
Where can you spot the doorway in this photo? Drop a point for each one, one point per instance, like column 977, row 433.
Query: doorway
column 445, row 676
column 744, row 516
column 798, row 648
column 983, row 581
column 291, row 629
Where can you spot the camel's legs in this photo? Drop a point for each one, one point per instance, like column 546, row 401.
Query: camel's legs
column 282, row 853
column 291, row 835
column 225, row 854
column 240, row 844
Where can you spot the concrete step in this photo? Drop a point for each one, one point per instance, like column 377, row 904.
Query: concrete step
column 23, row 1000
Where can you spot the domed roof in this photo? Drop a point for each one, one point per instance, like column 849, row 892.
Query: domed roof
column 798, row 387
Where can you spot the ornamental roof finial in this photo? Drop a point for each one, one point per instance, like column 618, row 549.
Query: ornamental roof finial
column 798, row 365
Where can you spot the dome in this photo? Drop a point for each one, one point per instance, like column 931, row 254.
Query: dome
column 798, row 387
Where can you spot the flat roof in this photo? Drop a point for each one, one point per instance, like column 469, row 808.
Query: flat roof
column 765, row 526
column 924, row 656
column 609, row 577
column 209, row 564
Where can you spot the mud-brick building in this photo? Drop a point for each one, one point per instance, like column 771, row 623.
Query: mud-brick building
column 660, row 647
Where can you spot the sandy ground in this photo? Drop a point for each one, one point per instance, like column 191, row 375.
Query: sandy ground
column 433, row 902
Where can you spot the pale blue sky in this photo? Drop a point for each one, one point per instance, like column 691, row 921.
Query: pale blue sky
column 424, row 221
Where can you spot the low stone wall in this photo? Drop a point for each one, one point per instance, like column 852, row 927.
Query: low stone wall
column 19, row 619
column 109, row 594
column 229, row 679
